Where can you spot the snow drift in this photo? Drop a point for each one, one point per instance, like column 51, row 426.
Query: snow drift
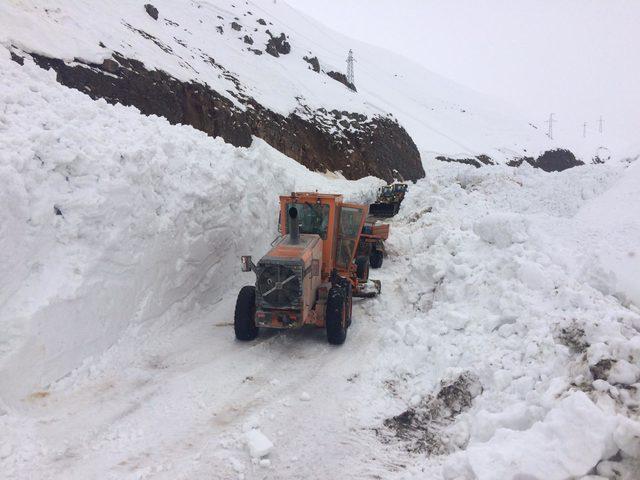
column 111, row 219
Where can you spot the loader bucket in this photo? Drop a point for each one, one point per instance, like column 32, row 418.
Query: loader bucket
column 383, row 210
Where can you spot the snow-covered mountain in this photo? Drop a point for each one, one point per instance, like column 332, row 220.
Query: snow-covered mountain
column 236, row 69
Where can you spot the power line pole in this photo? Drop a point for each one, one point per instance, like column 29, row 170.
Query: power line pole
column 550, row 122
column 600, row 122
column 350, row 61
column 584, row 130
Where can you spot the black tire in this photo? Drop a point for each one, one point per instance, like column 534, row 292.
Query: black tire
column 376, row 258
column 362, row 268
column 348, row 288
column 244, row 322
column 335, row 317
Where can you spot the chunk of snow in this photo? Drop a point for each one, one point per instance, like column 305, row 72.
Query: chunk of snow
column 258, row 443
column 569, row 442
column 502, row 229
column 305, row 397
column 623, row 373
column 627, row 436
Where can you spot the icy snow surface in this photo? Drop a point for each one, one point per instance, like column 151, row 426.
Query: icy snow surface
column 119, row 243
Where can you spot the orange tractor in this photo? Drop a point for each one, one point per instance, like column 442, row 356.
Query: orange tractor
column 310, row 275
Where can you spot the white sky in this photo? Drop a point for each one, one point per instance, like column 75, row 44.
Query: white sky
column 576, row 58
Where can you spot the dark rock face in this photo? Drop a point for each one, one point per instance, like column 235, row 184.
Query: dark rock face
column 370, row 146
column 236, row 26
column 477, row 162
column 152, row 11
column 248, row 40
column 557, row 160
column 342, row 78
column 313, row 61
column 261, row 21
column 550, row 161
column 17, row 58
column 277, row 46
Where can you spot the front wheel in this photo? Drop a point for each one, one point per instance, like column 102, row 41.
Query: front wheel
column 336, row 316
column 244, row 322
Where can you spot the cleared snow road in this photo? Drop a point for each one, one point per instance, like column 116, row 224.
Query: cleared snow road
column 174, row 402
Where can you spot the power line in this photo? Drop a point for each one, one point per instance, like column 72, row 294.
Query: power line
column 350, row 61
column 373, row 68
column 550, row 122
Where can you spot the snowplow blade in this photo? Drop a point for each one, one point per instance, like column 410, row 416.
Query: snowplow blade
column 368, row 289
column 384, row 210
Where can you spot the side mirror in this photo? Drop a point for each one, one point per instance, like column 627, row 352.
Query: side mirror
column 247, row 264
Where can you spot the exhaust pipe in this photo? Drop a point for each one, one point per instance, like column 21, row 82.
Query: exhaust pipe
column 294, row 226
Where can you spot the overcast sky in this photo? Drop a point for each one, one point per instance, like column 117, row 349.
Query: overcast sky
column 576, row 58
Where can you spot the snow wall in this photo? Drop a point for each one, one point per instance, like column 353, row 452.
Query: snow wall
column 110, row 218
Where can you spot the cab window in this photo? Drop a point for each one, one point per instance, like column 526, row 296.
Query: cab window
column 314, row 218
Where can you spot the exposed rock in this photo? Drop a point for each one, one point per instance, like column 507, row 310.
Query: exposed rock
column 313, row 61
column 152, row 11
column 516, row 162
column 261, row 21
column 236, row 26
column 342, row 78
column 477, row 161
column 248, row 40
column 17, row 58
column 255, row 50
column 277, row 46
column 600, row 371
column 371, row 146
column 557, row 160
column 550, row 161
column 603, row 155
column 219, row 29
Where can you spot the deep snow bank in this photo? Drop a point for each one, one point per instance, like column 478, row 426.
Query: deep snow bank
column 489, row 283
column 110, row 219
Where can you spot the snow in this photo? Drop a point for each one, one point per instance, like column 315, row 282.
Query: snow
column 440, row 115
column 258, row 443
column 555, row 448
column 137, row 229
column 117, row 357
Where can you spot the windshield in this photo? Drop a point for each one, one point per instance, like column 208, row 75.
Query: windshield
column 314, row 218
column 350, row 224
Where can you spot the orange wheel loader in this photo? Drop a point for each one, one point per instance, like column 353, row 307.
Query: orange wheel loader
column 310, row 275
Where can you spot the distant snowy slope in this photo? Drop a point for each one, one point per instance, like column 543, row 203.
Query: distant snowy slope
column 610, row 230
column 188, row 37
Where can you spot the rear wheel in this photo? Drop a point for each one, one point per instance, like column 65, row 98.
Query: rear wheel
column 244, row 322
column 376, row 258
column 362, row 268
column 336, row 315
